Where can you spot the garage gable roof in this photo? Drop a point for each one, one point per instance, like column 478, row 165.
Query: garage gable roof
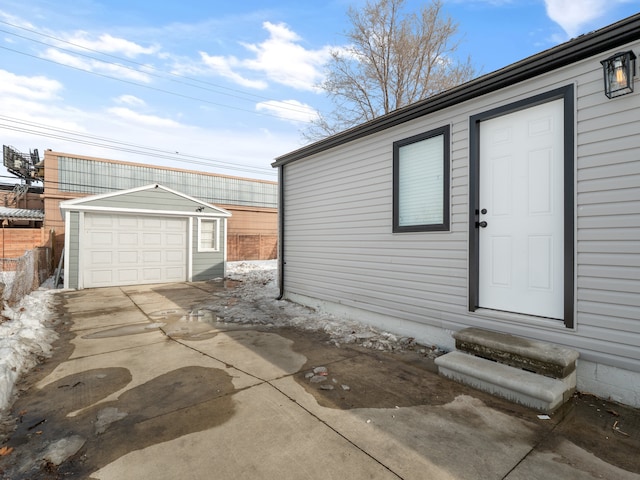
column 149, row 199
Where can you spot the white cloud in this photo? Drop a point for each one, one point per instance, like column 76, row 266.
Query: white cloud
column 290, row 110
column 224, row 66
column 106, row 43
column 29, row 102
column 97, row 66
column 142, row 119
column 280, row 58
column 130, row 100
column 12, row 19
column 573, row 15
column 30, row 88
column 285, row 61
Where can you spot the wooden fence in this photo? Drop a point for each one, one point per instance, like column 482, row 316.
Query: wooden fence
column 251, row 247
column 15, row 242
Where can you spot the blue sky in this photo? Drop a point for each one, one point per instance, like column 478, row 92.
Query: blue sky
column 217, row 86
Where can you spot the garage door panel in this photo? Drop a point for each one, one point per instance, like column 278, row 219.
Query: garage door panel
column 133, row 249
column 152, row 256
column 101, row 238
column 102, row 257
column 127, row 221
column 151, row 222
column 174, row 256
column 174, row 223
column 97, row 221
column 174, row 239
column 101, row 278
column 174, row 274
column 152, row 274
column 126, row 239
column 127, row 275
column 151, row 239
column 127, row 256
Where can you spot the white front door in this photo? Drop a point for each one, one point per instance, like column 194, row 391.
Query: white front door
column 521, row 200
column 120, row 249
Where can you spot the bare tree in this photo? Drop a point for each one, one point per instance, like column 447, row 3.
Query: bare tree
column 393, row 59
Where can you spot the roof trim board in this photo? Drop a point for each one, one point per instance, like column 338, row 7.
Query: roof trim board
column 80, row 203
column 580, row 48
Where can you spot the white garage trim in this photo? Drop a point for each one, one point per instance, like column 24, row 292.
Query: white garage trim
column 224, row 220
column 141, row 211
column 65, row 251
column 190, row 249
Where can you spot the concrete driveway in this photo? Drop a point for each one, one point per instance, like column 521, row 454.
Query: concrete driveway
column 144, row 384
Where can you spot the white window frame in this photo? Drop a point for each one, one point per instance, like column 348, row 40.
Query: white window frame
column 216, row 222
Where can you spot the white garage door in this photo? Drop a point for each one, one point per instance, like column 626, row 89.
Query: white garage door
column 132, row 249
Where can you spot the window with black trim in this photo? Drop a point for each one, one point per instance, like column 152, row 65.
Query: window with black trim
column 208, row 234
column 421, row 182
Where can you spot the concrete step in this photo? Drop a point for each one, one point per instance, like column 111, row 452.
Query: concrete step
column 539, row 357
column 526, row 388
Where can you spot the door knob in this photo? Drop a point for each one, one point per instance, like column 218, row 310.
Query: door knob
column 482, row 224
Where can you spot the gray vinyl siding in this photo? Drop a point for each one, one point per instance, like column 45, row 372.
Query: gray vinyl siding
column 74, row 232
column 207, row 265
column 153, row 199
column 608, row 226
column 339, row 245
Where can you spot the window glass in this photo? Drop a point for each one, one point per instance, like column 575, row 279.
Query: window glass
column 208, row 234
column 421, row 182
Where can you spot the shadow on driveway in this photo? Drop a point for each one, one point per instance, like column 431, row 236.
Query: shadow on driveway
column 147, row 383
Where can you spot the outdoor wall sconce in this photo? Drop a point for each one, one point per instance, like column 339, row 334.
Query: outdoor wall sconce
column 619, row 70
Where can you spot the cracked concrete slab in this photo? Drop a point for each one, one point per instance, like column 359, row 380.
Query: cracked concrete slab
column 97, row 341
column 563, row 459
column 144, row 363
column 162, row 393
column 264, row 355
column 268, row 437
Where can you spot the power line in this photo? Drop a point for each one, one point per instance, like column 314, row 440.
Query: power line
column 112, row 144
column 248, row 169
column 141, row 85
column 104, row 142
column 239, row 94
column 144, row 66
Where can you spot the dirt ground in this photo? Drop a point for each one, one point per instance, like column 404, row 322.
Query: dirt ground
column 356, row 378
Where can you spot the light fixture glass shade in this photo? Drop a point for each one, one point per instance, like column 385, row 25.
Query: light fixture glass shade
column 619, row 70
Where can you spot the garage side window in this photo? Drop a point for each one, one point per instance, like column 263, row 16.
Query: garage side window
column 208, row 234
column 421, row 182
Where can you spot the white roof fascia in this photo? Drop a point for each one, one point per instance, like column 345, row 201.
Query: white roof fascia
column 145, row 211
column 76, row 203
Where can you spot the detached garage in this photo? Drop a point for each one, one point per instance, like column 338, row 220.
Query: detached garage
column 150, row 234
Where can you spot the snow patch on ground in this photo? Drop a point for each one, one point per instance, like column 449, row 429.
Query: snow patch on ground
column 25, row 339
column 256, row 304
column 6, row 278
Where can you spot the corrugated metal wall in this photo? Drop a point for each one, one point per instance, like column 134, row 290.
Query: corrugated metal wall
column 95, row 177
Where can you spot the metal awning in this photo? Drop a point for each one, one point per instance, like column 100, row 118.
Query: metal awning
column 21, row 214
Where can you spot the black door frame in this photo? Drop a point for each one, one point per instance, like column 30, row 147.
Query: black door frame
column 565, row 93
